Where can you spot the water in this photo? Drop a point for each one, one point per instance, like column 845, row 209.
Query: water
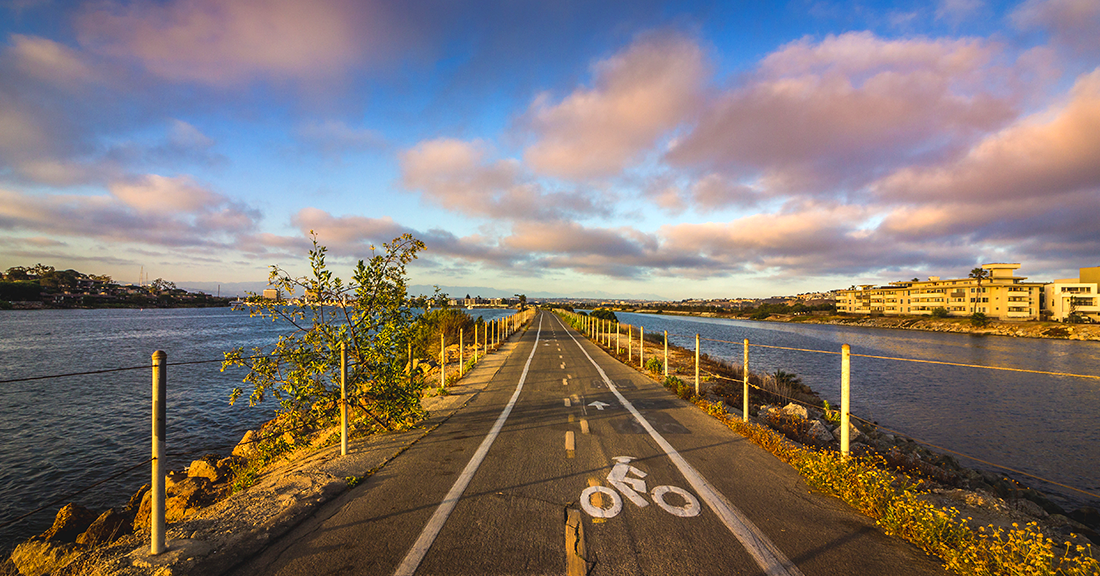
column 1041, row 425
column 63, row 434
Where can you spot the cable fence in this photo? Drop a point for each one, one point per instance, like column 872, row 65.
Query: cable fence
column 609, row 333
column 495, row 332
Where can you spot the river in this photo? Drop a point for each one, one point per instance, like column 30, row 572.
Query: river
column 1039, row 424
column 63, row 434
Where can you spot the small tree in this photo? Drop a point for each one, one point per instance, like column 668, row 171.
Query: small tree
column 372, row 315
column 939, row 312
column 978, row 274
column 978, row 319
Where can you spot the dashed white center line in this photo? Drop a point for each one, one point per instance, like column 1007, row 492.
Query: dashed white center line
column 567, row 402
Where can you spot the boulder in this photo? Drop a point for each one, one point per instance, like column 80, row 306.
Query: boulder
column 135, row 500
column 39, row 558
column 854, row 435
column 107, row 528
column 246, row 448
column 819, row 433
column 204, row 469
column 141, row 515
column 69, row 523
column 1028, row 507
column 188, row 495
column 1087, row 515
column 796, row 411
column 173, row 478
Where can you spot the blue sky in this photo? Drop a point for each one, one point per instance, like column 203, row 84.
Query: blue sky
column 637, row 148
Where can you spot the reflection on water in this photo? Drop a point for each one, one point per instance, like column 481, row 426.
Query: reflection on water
column 1043, row 425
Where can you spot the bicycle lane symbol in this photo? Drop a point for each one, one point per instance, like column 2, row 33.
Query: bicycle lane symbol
column 633, row 489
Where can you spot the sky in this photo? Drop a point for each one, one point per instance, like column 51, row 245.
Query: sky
column 630, row 149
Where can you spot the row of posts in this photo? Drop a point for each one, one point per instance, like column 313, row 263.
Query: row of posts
column 600, row 330
column 495, row 332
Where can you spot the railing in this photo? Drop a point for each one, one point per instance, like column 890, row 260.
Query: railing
column 496, row 332
column 601, row 332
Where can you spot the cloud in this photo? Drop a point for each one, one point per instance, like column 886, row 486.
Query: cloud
column 334, row 138
column 1072, row 24
column 638, row 96
column 459, row 176
column 958, row 11
column 50, row 61
column 1044, row 155
column 819, row 114
column 230, row 44
column 150, row 210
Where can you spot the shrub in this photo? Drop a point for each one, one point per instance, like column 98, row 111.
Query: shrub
column 978, row 319
column 939, row 312
column 654, row 365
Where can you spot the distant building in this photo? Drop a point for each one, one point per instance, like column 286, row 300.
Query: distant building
column 1001, row 296
column 1075, row 296
column 272, row 294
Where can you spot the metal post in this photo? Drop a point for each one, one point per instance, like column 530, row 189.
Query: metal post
column 617, row 346
column 745, row 392
column 696, row 364
column 641, row 346
column 666, row 354
column 156, row 516
column 629, row 343
column 845, row 396
column 442, row 361
column 461, row 364
column 343, row 399
column 475, row 343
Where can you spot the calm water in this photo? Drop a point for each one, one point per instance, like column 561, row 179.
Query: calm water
column 1042, row 425
column 63, row 434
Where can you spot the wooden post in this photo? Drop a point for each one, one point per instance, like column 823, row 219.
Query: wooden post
column 641, row 347
column 745, row 392
column 442, row 360
column 666, row 354
column 343, row 399
column 629, row 343
column 845, row 397
column 617, row 346
column 696, row 364
column 461, row 350
column 157, row 488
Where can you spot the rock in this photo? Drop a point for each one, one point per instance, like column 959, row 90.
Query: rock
column 819, row 434
column 1028, row 507
column 141, row 516
column 69, row 523
column 188, row 495
column 854, row 435
column 226, row 466
column 135, row 500
column 1087, row 515
column 107, row 528
column 39, row 558
column 246, row 448
column 796, row 410
column 204, row 469
column 173, row 478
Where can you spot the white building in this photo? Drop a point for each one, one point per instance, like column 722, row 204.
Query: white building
column 1078, row 296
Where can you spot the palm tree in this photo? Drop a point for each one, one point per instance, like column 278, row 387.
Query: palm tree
column 978, row 274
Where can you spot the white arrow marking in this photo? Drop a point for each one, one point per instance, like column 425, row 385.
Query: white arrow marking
column 599, row 405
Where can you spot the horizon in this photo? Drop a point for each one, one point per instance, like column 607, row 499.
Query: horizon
column 669, row 150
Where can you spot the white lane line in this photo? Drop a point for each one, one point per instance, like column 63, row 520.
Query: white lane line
column 767, row 555
column 567, row 402
column 435, row 523
column 584, row 426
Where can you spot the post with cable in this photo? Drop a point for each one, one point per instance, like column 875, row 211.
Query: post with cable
column 745, row 392
column 845, row 397
column 343, row 399
column 157, row 488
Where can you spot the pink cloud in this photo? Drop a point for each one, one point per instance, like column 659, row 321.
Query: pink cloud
column 638, row 96
column 819, row 113
column 1041, row 156
column 459, row 176
column 232, row 43
column 1074, row 24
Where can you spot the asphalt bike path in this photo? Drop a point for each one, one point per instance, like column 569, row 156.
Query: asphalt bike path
column 570, row 462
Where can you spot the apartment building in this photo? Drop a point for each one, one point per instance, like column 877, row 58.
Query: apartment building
column 1074, row 296
column 1001, row 296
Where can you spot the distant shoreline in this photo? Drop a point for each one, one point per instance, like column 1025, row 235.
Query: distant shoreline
column 1028, row 329
column 151, row 305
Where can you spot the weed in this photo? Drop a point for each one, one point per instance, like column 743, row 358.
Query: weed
column 654, row 365
column 353, row 481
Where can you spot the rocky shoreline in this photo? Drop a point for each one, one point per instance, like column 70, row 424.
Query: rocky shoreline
column 1028, row 329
